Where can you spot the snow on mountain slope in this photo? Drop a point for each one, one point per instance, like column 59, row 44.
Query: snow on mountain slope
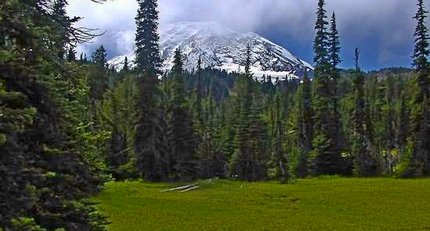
column 223, row 48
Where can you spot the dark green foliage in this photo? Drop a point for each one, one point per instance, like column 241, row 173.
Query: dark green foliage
column 151, row 144
column 63, row 24
column 117, row 113
column 152, row 155
column 420, row 159
column 99, row 57
column 126, row 66
column 71, row 55
column 249, row 161
column 334, row 57
column 212, row 158
column 403, row 125
column 421, row 50
column 304, row 127
column 366, row 162
column 98, row 80
column 183, row 142
column 147, row 51
column 248, row 61
column 334, row 43
column 63, row 123
column 326, row 158
column 321, row 36
column 15, row 197
column 46, row 171
column 279, row 159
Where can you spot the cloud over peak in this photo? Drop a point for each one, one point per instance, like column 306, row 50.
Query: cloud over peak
column 383, row 29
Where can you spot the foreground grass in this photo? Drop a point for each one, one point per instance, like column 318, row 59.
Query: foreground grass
column 314, row 204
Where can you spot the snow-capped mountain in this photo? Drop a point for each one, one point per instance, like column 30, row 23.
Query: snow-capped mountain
column 222, row 48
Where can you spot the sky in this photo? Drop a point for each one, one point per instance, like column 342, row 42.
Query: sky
column 381, row 29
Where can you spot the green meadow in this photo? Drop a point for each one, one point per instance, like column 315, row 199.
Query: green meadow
column 328, row 203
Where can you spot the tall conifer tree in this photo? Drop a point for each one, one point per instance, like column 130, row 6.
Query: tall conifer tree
column 249, row 162
column 63, row 24
column 279, row 160
column 99, row 57
column 44, row 170
column 181, row 126
column 326, row 157
column 365, row 160
column 304, row 129
column 421, row 50
column 420, row 160
column 126, row 66
column 335, row 60
column 147, row 37
column 334, row 43
column 150, row 140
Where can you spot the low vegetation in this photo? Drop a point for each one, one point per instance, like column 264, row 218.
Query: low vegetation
column 310, row 204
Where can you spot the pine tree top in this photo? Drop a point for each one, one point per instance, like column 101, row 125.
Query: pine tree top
column 334, row 43
column 421, row 50
column 178, row 64
column 321, row 35
column 99, row 56
column 248, row 61
column 147, row 37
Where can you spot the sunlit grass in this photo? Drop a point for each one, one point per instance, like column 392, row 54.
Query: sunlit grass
column 311, row 204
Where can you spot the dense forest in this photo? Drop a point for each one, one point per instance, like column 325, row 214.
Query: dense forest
column 68, row 124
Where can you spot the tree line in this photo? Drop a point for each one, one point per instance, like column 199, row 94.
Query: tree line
column 68, row 124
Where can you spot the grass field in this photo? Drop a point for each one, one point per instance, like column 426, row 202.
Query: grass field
column 311, row 204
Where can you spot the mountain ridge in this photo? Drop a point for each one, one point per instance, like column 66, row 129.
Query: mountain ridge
column 223, row 48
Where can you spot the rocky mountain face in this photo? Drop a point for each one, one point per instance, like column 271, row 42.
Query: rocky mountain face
column 222, row 48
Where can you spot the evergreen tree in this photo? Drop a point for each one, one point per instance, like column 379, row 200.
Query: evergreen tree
column 63, row 24
column 99, row 57
column 117, row 113
column 420, row 160
column 152, row 154
column 71, row 55
column 147, row 48
column 326, row 154
column 126, row 67
column 334, row 56
column 150, row 141
column 197, row 98
column 248, row 61
column 249, row 161
column 421, row 50
column 402, row 133
column 99, row 79
column 304, row 127
column 388, row 112
column 178, row 64
column 45, row 173
column 321, row 58
column 181, row 125
column 212, row 159
column 365, row 161
column 15, row 194
column 279, row 159
column 334, row 43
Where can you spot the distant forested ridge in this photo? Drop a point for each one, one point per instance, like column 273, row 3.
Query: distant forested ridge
column 69, row 122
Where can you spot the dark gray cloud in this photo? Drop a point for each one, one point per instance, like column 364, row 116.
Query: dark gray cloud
column 381, row 28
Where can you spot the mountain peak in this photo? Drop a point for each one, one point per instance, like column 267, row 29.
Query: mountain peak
column 223, row 48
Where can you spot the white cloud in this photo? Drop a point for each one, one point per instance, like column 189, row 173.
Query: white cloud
column 386, row 22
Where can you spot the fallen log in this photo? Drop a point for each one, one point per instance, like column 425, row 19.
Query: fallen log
column 181, row 188
column 189, row 189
